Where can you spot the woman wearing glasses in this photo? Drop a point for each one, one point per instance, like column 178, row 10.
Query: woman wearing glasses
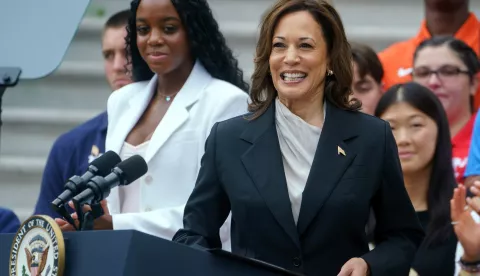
column 449, row 67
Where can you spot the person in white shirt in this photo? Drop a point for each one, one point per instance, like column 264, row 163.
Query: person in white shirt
column 186, row 80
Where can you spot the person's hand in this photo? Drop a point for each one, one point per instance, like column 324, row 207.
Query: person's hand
column 355, row 267
column 102, row 223
column 466, row 229
column 475, row 188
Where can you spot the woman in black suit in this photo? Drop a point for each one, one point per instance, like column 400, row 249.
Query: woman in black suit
column 302, row 170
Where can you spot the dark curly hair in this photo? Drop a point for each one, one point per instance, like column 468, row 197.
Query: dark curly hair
column 207, row 43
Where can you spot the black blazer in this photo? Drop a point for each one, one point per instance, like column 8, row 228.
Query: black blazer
column 242, row 172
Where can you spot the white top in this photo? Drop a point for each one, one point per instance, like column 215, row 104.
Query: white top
column 130, row 194
column 175, row 150
column 298, row 143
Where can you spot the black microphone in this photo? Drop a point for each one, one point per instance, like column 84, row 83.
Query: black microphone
column 76, row 184
column 98, row 188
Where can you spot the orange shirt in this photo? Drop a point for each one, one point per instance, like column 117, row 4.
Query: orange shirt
column 397, row 59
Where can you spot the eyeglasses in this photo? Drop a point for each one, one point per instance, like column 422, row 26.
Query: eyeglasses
column 444, row 73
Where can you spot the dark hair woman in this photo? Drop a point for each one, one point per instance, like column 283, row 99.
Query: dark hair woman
column 420, row 127
column 186, row 79
column 301, row 171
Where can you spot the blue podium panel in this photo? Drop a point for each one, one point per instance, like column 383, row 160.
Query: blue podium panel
column 129, row 253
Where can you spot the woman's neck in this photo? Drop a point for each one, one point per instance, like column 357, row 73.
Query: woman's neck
column 445, row 23
column 417, row 185
column 309, row 109
column 457, row 123
column 169, row 84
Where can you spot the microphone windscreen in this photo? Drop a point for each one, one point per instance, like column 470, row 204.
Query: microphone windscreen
column 133, row 168
column 106, row 162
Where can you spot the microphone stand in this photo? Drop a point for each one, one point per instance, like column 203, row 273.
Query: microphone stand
column 91, row 215
column 60, row 207
column 9, row 77
column 62, row 211
column 86, row 219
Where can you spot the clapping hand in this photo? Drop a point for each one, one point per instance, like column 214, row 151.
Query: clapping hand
column 466, row 229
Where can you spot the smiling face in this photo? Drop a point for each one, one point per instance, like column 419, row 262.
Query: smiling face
column 298, row 60
column 161, row 37
column 415, row 134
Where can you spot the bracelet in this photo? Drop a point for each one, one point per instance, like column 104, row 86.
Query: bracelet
column 470, row 267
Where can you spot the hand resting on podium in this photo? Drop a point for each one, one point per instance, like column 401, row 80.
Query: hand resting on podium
column 102, row 223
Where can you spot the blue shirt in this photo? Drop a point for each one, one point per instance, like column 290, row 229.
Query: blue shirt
column 70, row 155
column 473, row 163
column 9, row 222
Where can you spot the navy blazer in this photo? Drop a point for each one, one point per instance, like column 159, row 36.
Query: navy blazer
column 9, row 222
column 242, row 172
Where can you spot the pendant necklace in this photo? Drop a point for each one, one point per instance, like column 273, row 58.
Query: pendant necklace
column 167, row 98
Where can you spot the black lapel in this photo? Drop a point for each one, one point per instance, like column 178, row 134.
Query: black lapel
column 263, row 162
column 328, row 164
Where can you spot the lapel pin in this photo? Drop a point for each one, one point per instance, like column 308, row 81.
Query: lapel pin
column 341, row 151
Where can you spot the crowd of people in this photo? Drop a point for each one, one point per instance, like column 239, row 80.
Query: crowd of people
column 333, row 159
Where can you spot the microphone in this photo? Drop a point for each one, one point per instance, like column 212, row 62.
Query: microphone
column 76, row 184
column 98, row 188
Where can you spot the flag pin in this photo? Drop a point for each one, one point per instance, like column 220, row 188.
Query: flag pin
column 341, row 151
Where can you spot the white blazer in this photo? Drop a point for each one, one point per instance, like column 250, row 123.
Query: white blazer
column 175, row 149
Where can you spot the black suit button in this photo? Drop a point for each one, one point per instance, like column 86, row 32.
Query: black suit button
column 297, row 262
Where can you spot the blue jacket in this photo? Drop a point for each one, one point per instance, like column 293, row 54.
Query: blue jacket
column 9, row 222
column 70, row 155
column 473, row 164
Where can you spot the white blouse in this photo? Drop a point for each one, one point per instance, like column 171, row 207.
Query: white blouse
column 130, row 194
column 298, row 143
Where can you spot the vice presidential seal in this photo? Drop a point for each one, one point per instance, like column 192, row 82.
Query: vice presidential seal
column 37, row 249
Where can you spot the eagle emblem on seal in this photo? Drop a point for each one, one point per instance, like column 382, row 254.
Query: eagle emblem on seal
column 37, row 255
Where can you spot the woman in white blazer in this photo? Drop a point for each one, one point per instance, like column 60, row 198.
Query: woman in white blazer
column 186, row 80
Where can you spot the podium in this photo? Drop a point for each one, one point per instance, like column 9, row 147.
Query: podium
column 129, row 252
